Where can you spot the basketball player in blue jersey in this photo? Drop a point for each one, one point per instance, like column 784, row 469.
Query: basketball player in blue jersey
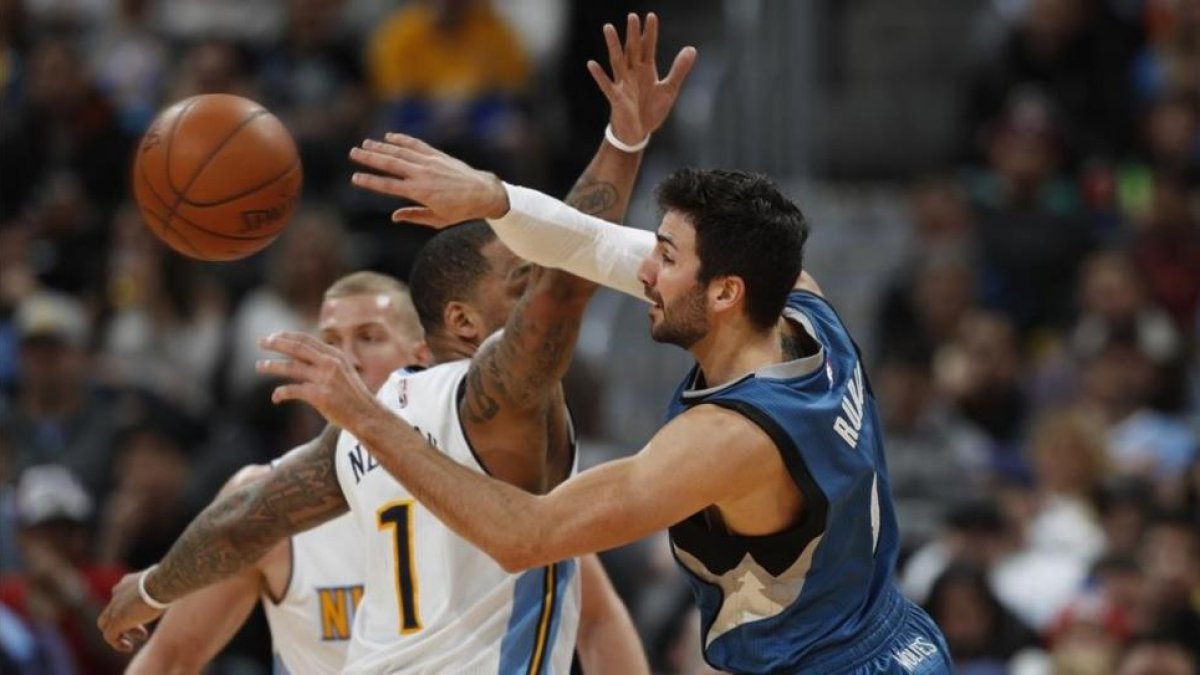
column 769, row 473
column 493, row 403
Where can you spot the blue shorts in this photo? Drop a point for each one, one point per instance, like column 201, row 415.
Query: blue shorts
column 914, row 646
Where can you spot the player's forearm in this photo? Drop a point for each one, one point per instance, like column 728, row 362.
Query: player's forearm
column 606, row 185
column 470, row 503
column 240, row 527
column 548, row 232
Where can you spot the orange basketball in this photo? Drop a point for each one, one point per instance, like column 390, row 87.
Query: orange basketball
column 217, row 177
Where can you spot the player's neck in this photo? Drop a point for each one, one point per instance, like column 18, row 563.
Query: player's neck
column 729, row 352
column 448, row 348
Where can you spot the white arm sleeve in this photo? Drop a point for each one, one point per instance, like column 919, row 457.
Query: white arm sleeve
column 547, row 232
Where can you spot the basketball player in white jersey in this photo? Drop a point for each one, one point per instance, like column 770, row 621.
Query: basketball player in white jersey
column 439, row 605
column 309, row 584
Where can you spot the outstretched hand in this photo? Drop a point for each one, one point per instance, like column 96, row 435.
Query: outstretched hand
column 448, row 190
column 639, row 100
column 320, row 375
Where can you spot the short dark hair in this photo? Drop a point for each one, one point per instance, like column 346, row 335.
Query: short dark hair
column 448, row 268
column 745, row 227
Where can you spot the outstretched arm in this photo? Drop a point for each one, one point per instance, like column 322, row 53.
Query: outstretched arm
column 608, row 641
column 706, row 456
column 198, row 626
column 513, row 410
column 231, row 534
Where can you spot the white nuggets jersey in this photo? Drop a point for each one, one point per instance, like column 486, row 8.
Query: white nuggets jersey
column 434, row 603
column 311, row 622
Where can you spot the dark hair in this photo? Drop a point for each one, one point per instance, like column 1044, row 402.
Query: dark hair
column 447, row 268
column 745, row 227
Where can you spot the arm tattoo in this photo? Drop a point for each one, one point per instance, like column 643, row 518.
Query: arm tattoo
column 594, row 197
column 242, row 526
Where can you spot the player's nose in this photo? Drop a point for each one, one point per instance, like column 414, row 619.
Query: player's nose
column 647, row 272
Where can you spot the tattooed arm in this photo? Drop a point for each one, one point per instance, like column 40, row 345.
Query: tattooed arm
column 513, row 409
column 232, row 534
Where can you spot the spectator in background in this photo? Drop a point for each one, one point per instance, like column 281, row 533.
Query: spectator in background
column 313, row 81
column 56, row 417
column 1170, row 61
column 64, row 165
column 1069, row 460
column 62, row 590
column 168, row 325
column 132, row 63
column 1065, row 50
column 451, row 72
column 980, row 374
column 147, row 508
column 934, row 463
column 14, row 47
column 302, row 264
column 1170, row 561
column 1119, row 381
column 1114, row 304
column 1166, row 250
column 1029, row 234
column 940, row 224
column 1124, row 504
column 1157, row 655
column 213, row 67
column 982, row 635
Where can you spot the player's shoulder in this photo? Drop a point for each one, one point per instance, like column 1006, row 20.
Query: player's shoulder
column 718, row 424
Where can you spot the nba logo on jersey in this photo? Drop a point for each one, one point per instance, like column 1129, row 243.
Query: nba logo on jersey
column 402, row 394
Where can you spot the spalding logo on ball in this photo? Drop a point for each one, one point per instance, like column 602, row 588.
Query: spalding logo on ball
column 217, row 177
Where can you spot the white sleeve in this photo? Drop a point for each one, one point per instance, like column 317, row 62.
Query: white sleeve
column 547, row 232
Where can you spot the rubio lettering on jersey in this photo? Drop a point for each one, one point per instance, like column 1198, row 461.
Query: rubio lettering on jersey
column 849, row 423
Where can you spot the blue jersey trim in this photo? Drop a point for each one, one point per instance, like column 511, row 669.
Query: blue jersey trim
column 536, row 614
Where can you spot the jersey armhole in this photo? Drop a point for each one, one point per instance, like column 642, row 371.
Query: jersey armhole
column 816, row 503
column 572, row 439
column 291, row 542
column 287, row 585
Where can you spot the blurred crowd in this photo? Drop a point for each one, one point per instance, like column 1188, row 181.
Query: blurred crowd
column 1036, row 358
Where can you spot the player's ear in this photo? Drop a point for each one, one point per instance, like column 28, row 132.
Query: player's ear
column 422, row 354
column 725, row 292
column 462, row 321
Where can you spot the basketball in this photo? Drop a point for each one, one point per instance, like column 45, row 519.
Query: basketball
column 217, row 177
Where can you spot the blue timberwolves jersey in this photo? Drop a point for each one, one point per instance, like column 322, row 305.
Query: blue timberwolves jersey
column 789, row 602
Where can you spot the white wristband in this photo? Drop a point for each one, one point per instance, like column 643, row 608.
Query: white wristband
column 624, row 147
column 145, row 595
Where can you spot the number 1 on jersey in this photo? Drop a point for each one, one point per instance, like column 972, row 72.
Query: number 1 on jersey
column 397, row 517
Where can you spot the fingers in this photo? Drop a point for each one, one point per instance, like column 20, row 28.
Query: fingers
column 420, row 216
column 602, row 81
column 292, row 370
column 633, row 39
column 293, row 392
column 299, row 346
column 414, row 157
column 411, row 143
column 650, row 39
column 680, row 69
column 392, row 187
column 616, row 56
column 386, row 163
